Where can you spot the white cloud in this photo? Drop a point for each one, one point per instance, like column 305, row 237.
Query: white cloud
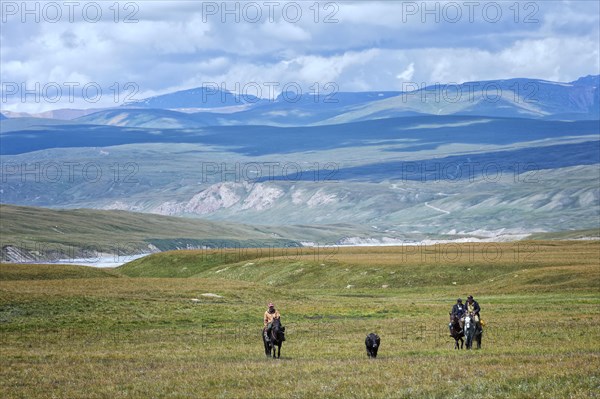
column 407, row 74
column 373, row 46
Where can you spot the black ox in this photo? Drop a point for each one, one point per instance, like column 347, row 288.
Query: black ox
column 372, row 343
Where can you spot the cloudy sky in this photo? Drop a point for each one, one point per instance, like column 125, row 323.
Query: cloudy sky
column 143, row 48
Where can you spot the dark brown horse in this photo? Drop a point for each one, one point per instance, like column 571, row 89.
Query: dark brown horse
column 276, row 338
column 456, row 331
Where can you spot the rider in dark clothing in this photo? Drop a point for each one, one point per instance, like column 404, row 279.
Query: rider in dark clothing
column 457, row 310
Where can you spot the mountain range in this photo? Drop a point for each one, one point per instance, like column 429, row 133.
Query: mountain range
column 514, row 157
column 207, row 106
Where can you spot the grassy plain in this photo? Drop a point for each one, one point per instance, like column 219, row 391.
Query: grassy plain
column 134, row 332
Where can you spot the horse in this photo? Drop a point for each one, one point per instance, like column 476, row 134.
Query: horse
column 456, row 332
column 372, row 343
column 471, row 330
column 276, row 339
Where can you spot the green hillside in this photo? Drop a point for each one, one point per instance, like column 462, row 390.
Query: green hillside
column 87, row 233
column 531, row 265
column 41, row 233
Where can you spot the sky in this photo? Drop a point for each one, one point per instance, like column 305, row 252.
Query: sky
column 89, row 54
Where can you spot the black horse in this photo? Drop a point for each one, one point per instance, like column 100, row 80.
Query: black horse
column 275, row 339
column 372, row 343
column 456, row 332
column 472, row 331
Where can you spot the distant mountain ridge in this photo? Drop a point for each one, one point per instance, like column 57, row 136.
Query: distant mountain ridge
column 199, row 97
column 589, row 80
column 58, row 114
column 524, row 98
column 210, row 106
column 519, row 97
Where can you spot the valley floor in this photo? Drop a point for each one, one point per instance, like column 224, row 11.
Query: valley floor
column 80, row 332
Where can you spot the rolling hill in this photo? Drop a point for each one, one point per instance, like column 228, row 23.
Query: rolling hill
column 39, row 234
column 541, row 266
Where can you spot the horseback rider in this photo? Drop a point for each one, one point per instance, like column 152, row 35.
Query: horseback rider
column 457, row 312
column 270, row 314
column 473, row 308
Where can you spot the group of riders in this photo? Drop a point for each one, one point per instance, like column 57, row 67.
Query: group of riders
column 459, row 311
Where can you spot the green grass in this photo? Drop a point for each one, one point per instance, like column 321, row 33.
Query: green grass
column 12, row 272
column 73, row 332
